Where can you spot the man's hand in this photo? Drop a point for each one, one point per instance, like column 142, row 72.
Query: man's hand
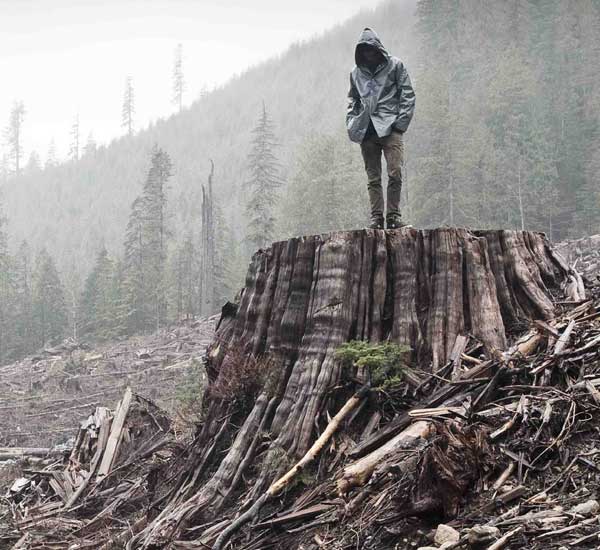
column 406, row 97
column 354, row 101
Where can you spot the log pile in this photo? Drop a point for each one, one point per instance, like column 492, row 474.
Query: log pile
column 487, row 440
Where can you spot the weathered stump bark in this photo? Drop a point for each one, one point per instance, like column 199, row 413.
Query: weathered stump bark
column 306, row 296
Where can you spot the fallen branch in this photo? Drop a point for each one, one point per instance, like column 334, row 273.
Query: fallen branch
column 501, row 542
column 358, row 473
column 563, row 340
column 7, row 453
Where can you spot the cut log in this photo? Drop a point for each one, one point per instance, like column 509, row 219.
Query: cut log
column 116, row 433
column 8, row 453
column 304, row 297
column 359, row 472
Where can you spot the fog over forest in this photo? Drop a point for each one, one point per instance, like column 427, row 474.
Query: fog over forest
column 158, row 224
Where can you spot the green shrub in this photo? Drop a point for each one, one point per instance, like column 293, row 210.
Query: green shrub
column 190, row 391
column 385, row 361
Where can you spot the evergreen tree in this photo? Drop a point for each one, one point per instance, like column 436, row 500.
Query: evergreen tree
column 578, row 118
column 3, row 237
column 543, row 182
column 99, row 300
column 510, row 120
column 128, row 109
column 327, row 189
column 51, row 159
column 156, row 232
column 119, row 308
column 13, row 135
column 24, row 323
column 90, row 147
column 146, row 248
column 87, row 304
column 263, row 185
column 4, row 168
column 184, row 278
column 72, row 284
column 49, row 307
column 178, row 80
column 6, row 295
column 74, row 148
column 437, row 197
column 34, row 163
column 134, row 267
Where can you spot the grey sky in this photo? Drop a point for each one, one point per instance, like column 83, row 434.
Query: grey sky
column 63, row 57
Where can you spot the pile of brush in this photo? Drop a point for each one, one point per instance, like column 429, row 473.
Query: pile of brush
column 89, row 497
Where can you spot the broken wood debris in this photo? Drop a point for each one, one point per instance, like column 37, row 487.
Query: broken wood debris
column 502, row 447
column 108, row 477
column 43, row 396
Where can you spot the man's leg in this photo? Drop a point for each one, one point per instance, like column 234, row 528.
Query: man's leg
column 371, row 152
column 393, row 150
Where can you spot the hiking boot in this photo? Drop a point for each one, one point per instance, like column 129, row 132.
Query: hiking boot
column 395, row 223
column 376, row 224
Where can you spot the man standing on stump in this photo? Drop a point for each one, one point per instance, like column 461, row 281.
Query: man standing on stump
column 381, row 106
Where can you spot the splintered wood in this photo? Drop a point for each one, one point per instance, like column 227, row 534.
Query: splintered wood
column 95, row 480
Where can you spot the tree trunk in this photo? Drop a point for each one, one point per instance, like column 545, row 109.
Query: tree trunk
column 520, row 188
column 207, row 260
column 306, row 296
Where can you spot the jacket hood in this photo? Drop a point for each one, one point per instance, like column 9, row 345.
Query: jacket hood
column 368, row 37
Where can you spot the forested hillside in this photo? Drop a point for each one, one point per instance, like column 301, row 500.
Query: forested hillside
column 78, row 206
column 505, row 135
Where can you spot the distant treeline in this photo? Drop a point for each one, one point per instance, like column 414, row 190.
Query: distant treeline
column 159, row 278
column 156, row 280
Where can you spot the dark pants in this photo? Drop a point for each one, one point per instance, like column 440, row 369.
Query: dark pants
column 392, row 147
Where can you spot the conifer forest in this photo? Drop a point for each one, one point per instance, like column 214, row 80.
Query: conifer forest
column 109, row 240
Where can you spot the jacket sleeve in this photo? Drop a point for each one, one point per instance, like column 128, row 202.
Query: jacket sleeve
column 353, row 100
column 406, row 98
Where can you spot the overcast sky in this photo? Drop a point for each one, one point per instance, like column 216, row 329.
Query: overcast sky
column 63, row 57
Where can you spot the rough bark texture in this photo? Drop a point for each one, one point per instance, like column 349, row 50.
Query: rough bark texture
column 306, row 296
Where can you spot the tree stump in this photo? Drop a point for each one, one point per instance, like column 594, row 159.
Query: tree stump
column 306, row 296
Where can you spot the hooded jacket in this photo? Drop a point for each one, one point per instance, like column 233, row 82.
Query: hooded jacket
column 383, row 95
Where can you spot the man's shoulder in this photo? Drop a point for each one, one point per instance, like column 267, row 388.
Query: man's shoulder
column 396, row 61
